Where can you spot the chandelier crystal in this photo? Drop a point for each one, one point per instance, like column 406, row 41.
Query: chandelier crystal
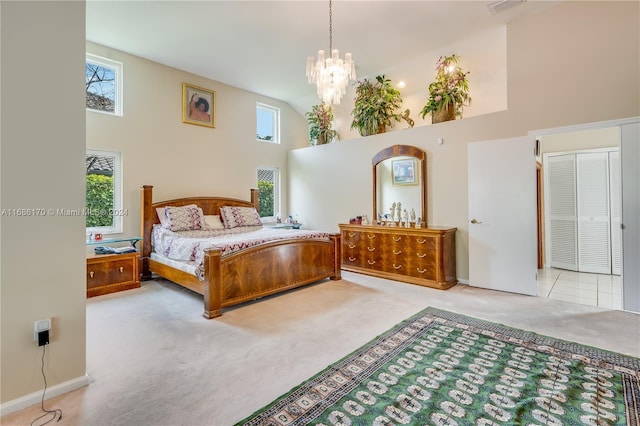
column 331, row 75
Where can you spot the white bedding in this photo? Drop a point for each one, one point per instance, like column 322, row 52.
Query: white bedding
column 189, row 246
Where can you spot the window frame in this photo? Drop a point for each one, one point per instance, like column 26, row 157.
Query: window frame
column 118, row 84
column 118, row 212
column 276, row 193
column 275, row 111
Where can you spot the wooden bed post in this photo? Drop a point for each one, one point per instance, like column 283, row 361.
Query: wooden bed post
column 146, row 224
column 337, row 258
column 255, row 195
column 212, row 283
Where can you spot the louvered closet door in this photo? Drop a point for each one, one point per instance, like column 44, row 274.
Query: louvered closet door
column 616, row 209
column 594, row 249
column 561, row 192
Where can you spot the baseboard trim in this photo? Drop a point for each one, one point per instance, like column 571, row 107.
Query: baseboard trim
column 463, row 281
column 35, row 397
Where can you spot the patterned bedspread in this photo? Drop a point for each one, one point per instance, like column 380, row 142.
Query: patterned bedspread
column 191, row 245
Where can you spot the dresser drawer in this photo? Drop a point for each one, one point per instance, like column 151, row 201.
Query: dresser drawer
column 111, row 273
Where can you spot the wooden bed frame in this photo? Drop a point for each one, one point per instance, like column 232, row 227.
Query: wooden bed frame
column 249, row 274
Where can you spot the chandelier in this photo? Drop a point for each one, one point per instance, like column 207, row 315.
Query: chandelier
column 331, row 75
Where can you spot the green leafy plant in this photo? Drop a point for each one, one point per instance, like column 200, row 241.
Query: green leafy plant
column 320, row 121
column 377, row 103
column 450, row 88
column 265, row 197
column 99, row 198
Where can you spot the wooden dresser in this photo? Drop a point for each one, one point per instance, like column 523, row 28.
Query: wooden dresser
column 423, row 256
column 108, row 273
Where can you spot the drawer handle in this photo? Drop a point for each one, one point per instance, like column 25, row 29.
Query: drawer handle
column 91, row 274
column 352, row 259
column 421, row 255
column 121, row 269
column 397, row 267
column 371, row 237
column 422, row 271
column 371, row 262
column 352, row 234
column 397, row 251
column 396, row 239
column 421, row 241
column 352, row 246
column 371, row 248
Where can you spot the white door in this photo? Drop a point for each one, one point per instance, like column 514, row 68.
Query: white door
column 616, row 213
column 594, row 238
column 630, row 158
column 560, row 205
column 502, row 215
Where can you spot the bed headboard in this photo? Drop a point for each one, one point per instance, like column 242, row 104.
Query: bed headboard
column 149, row 217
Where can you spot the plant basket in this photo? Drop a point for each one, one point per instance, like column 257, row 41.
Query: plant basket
column 446, row 113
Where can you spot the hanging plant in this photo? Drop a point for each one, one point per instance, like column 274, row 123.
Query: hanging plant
column 449, row 93
column 320, row 121
column 376, row 104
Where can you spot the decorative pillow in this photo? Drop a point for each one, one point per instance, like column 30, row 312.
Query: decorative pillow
column 185, row 218
column 239, row 216
column 213, row 221
column 162, row 215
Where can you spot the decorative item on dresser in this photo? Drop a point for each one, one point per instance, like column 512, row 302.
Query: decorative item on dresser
column 423, row 256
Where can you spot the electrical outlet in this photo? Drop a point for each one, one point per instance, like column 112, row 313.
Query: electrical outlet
column 40, row 326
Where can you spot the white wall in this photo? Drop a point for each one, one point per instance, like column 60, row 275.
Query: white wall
column 181, row 159
column 42, row 145
column 559, row 63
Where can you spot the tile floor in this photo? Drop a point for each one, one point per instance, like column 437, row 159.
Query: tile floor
column 604, row 291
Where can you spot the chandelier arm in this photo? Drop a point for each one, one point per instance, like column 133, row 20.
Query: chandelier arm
column 330, row 28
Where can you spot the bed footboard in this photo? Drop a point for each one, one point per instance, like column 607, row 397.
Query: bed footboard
column 267, row 269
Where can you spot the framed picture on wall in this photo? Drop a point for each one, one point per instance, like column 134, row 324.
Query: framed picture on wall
column 198, row 105
column 403, row 172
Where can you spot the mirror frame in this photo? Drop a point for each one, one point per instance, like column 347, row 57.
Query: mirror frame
column 403, row 151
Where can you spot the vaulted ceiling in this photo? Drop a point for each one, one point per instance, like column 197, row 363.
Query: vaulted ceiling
column 262, row 46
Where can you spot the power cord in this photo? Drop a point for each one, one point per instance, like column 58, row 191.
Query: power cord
column 57, row 413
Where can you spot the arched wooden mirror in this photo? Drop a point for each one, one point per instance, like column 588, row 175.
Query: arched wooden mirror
column 399, row 175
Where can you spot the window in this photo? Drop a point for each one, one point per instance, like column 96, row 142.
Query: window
column 103, row 209
column 268, row 123
column 103, row 85
column 269, row 191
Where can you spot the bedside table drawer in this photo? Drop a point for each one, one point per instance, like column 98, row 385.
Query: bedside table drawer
column 111, row 273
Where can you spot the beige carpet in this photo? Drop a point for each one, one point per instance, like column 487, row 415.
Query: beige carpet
column 154, row 360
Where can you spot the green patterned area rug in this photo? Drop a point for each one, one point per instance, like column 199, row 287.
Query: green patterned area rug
column 443, row 368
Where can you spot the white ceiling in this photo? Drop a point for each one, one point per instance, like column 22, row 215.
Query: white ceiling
column 262, row 46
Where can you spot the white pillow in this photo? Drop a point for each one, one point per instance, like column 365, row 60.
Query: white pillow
column 212, row 221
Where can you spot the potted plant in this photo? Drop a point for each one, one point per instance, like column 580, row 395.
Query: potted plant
column 449, row 93
column 376, row 104
column 320, row 120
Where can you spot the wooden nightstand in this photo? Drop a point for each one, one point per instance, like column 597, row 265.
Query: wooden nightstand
column 109, row 273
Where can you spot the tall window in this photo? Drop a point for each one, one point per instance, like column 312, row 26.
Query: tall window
column 269, row 191
column 103, row 209
column 268, row 123
column 103, row 85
